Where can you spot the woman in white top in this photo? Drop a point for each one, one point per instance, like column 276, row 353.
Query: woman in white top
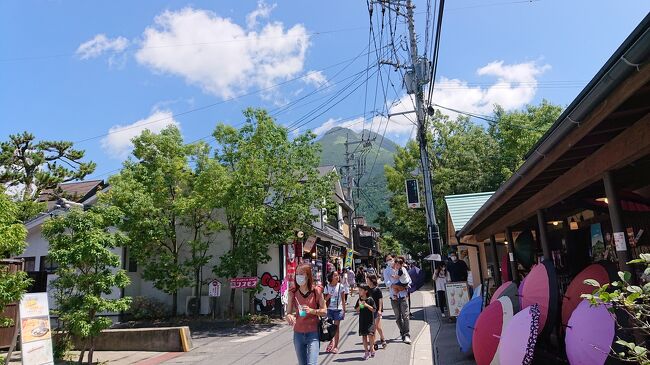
column 441, row 277
column 335, row 296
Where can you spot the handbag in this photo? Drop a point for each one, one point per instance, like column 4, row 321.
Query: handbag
column 326, row 328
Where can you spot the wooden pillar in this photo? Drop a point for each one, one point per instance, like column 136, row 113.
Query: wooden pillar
column 495, row 255
column 618, row 227
column 510, row 246
column 543, row 238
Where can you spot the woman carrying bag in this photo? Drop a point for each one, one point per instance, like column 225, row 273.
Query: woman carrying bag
column 306, row 305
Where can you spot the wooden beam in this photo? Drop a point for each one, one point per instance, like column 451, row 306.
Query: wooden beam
column 624, row 91
column 626, row 148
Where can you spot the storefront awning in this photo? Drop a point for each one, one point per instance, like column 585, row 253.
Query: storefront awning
column 461, row 208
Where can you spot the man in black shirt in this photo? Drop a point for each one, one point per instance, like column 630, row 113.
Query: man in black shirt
column 457, row 268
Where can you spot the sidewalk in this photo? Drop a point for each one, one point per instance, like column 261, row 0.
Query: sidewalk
column 436, row 343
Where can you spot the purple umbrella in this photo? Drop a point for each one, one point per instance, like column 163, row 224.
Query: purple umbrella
column 518, row 339
column 590, row 334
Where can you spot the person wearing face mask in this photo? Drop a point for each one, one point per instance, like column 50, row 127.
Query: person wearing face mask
column 388, row 270
column 441, row 277
column 305, row 304
column 457, row 268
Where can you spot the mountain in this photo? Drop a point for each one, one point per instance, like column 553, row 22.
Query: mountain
column 374, row 193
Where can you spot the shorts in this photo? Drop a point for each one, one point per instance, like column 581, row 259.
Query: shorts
column 335, row 314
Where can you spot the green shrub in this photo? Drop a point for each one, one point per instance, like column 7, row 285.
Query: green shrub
column 147, row 309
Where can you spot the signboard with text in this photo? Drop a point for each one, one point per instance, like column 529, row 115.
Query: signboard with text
column 35, row 332
column 243, row 283
column 348, row 258
column 457, row 296
column 214, row 290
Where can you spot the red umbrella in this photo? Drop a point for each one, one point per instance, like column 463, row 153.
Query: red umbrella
column 603, row 272
column 487, row 331
column 541, row 288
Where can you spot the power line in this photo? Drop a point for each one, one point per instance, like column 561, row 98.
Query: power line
column 208, row 106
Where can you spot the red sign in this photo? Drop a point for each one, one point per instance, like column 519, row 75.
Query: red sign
column 243, row 283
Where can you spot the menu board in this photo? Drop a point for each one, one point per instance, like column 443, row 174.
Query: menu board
column 457, row 296
column 35, row 332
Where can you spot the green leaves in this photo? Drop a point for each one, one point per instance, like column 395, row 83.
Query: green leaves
column 167, row 192
column 274, row 183
column 592, row 282
column 81, row 242
column 12, row 243
column 37, row 167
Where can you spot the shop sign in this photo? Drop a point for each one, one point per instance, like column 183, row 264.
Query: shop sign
column 619, row 241
column 214, row 290
column 348, row 258
column 457, row 296
column 243, row 283
column 35, row 332
column 309, row 244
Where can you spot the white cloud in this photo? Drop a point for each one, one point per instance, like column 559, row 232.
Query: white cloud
column 101, row 44
column 220, row 56
column 263, row 11
column 118, row 141
column 316, row 78
column 514, row 87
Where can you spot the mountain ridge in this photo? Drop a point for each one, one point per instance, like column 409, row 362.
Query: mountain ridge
column 374, row 191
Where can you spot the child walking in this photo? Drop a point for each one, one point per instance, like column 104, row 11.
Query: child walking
column 366, row 307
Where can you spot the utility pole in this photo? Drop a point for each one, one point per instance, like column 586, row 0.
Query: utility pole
column 358, row 164
column 418, row 75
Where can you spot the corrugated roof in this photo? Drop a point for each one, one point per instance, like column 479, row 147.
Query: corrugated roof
column 463, row 206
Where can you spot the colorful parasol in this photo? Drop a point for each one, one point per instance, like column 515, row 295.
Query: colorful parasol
column 603, row 272
column 487, row 332
column 518, row 339
column 507, row 289
column 525, row 249
column 590, row 334
column 466, row 321
column 541, row 288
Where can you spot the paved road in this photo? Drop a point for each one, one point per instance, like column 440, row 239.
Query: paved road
column 275, row 346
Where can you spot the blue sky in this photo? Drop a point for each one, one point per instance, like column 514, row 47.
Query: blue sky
column 96, row 73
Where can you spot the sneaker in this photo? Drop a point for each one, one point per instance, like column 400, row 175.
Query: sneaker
column 407, row 339
column 366, row 356
column 444, row 315
column 383, row 344
column 376, row 347
column 372, row 354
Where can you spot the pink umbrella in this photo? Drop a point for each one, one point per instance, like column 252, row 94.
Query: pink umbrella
column 541, row 288
column 521, row 286
column 507, row 289
column 603, row 272
column 488, row 329
column 518, row 339
column 590, row 334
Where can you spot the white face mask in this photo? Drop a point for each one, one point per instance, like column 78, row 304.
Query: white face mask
column 301, row 279
column 454, row 258
column 389, row 263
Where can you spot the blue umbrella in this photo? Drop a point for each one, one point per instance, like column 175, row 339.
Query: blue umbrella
column 417, row 278
column 466, row 321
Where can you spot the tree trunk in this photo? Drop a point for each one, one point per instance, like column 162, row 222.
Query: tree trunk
column 91, row 350
column 231, row 305
column 197, row 290
column 251, row 298
column 81, row 356
column 174, row 303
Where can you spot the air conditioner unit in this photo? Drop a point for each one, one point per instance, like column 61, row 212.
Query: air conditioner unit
column 192, row 302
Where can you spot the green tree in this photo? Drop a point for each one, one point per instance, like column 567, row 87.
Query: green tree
column 389, row 245
column 631, row 303
column 515, row 133
column 81, row 243
column 169, row 191
column 274, row 184
column 31, row 167
column 12, row 243
column 465, row 158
